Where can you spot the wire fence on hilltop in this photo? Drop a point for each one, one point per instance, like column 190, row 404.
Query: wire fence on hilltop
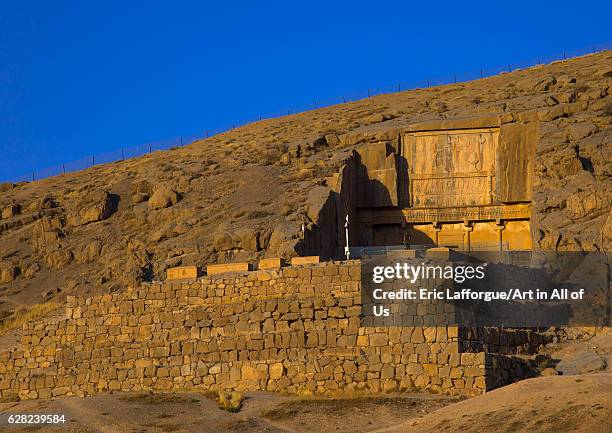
column 143, row 149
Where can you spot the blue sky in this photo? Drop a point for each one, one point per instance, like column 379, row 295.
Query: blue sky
column 79, row 78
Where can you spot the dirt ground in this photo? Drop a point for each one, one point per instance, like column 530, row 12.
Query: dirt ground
column 546, row 404
column 195, row 412
column 557, row 404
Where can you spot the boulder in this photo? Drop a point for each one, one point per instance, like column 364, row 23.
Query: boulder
column 317, row 197
column 546, row 115
column 352, row 138
column 247, row 239
column 44, row 240
column 51, row 293
column 88, row 251
column 31, row 270
column 332, row 140
column 579, row 131
column 163, row 196
column 10, row 211
column 545, row 84
column 583, row 203
column 287, row 249
column 379, row 117
column 537, row 84
column 59, row 259
column 287, row 231
column 8, row 272
column 47, row 202
column 138, row 267
column 222, row 241
column 139, row 197
column 91, row 206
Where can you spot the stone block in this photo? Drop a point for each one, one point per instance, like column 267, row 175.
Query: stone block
column 223, row 268
column 362, row 340
column 401, row 254
column 438, row 253
column 306, row 260
column 379, row 339
column 273, row 263
column 429, row 334
column 182, row 272
column 249, row 373
column 421, row 381
column 387, row 372
column 473, row 371
column 431, row 369
column 413, row 335
column 276, row 370
column 480, row 382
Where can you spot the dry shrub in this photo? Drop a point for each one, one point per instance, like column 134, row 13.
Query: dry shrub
column 230, row 401
column 260, row 213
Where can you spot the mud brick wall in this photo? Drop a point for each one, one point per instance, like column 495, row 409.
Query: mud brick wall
column 295, row 329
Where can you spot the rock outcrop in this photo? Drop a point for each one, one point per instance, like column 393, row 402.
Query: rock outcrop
column 91, row 206
column 284, row 186
column 163, row 196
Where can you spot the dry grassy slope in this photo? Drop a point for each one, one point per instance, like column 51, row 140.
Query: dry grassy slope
column 95, row 231
column 541, row 405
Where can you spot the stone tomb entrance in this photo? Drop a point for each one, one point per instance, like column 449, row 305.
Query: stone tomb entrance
column 464, row 184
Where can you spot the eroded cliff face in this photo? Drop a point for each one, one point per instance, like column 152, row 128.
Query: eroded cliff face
column 572, row 190
column 284, row 186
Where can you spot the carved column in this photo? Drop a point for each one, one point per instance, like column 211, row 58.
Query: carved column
column 437, row 227
column 500, row 226
column 467, row 225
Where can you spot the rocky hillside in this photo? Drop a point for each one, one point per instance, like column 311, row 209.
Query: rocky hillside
column 246, row 193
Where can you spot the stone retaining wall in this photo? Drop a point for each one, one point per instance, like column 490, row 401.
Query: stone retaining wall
column 294, row 329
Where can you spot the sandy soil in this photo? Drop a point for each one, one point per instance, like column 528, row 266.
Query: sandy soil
column 193, row 412
column 541, row 405
column 546, row 404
